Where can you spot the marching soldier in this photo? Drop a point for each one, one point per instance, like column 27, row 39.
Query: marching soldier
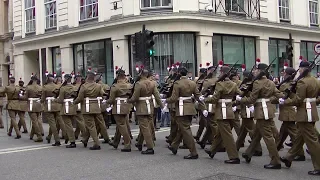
column 23, row 109
column 222, row 97
column 263, row 89
column 80, row 125
column 183, row 89
column 33, row 94
column 12, row 92
column 90, row 107
column 51, row 109
column 119, row 94
column 236, row 122
column 104, row 112
column 2, row 96
column 142, row 97
column 307, row 90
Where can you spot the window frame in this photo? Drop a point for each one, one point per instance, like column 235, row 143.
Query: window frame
column 230, row 9
column 170, row 6
column 48, row 15
column 84, row 6
column 282, row 6
column 313, row 13
column 32, row 9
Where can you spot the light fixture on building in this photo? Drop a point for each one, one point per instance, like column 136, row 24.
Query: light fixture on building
column 118, row 47
column 115, row 5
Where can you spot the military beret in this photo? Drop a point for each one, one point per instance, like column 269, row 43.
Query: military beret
column 203, row 70
column 20, row 81
column 182, row 68
column 90, row 73
column 67, row 76
column 78, row 75
column 120, row 71
column 211, row 67
column 304, row 64
column 262, row 66
column 289, row 70
column 12, row 77
column 225, row 69
column 50, row 75
column 246, row 73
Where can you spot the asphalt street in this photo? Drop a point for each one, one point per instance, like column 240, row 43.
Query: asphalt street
column 24, row 159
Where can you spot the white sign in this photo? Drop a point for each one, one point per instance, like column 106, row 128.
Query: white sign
column 317, row 48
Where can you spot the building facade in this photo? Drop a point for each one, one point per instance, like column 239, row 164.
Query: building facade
column 6, row 35
column 73, row 35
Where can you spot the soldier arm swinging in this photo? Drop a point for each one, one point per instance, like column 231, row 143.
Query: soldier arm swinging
column 253, row 95
column 157, row 97
column 112, row 95
column 175, row 94
column 80, row 96
column 217, row 94
column 61, row 96
column 300, row 95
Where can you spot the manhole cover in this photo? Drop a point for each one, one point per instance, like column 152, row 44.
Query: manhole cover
column 223, row 176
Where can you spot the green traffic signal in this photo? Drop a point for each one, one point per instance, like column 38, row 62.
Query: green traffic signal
column 152, row 52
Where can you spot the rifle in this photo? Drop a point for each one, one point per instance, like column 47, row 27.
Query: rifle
column 31, row 81
column 292, row 88
column 211, row 89
column 291, row 77
column 57, row 92
column 247, row 79
column 208, row 76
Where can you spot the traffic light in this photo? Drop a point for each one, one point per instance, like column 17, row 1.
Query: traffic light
column 289, row 48
column 149, row 42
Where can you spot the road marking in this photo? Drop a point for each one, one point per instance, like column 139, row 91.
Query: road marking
column 46, row 146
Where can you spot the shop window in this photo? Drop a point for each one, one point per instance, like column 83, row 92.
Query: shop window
column 51, row 13
column 307, row 53
column 277, row 50
column 88, row 9
column 30, row 14
column 56, row 60
column 155, row 3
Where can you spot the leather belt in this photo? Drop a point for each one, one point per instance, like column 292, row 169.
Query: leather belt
column 67, row 104
column 49, row 100
column 308, row 102
column 154, row 101
column 147, row 99
column 91, row 99
column 31, row 102
column 181, row 99
column 119, row 103
column 248, row 112
column 264, row 107
column 224, row 107
column 210, row 105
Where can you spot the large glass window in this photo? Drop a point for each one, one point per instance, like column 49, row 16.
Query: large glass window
column 169, row 49
column 284, row 10
column 51, row 13
column 30, row 13
column 235, row 5
column 230, row 49
column 307, row 53
column 313, row 9
column 56, row 60
column 155, row 3
column 97, row 56
column 277, row 50
column 88, row 9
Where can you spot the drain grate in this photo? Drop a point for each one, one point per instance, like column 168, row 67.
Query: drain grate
column 223, row 176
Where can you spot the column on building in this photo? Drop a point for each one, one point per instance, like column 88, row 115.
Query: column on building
column 40, row 11
column 19, row 70
column 121, row 53
column 204, row 49
column 49, row 65
column 262, row 49
column 66, row 58
column 296, row 53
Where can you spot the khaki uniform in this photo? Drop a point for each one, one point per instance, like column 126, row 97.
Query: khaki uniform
column 33, row 94
column 222, row 97
column 22, row 112
column 2, row 96
column 13, row 107
column 262, row 91
column 236, row 122
column 306, row 92
column 202, row 119
column 51, row 110
column 104, row 112
column 173, row 123
column 156, row 106
column 183, row 89
column 247, row 125
column 80, row 124
column 91, row 111
column 119, row 94
column 142, row 97
column 212, row 127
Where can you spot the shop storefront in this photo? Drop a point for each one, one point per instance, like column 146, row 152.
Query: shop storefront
column 307, row 53
column 277, row 50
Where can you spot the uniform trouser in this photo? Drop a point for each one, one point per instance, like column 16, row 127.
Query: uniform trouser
column 12, row 115
column 122, row 129
column 51, row 117
column 129, row 128
column 69, row 127
column 1, row 121
column 40, row 123
column 235, row 123
column 184, row 133
column 224, row 136
column 264, row 130
column 91, row 121
column 145, row 125
column 306, row 134
column 247, row 126
column 79, row 124
column 202, row 125
column 288, row 128
column 105, row 118
column 34, row 116
column 275, row 132
column 22, row 122
column 173, row 125
column 59, row 125
column 211, row 129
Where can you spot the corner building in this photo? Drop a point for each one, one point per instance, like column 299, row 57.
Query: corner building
column 73, row 35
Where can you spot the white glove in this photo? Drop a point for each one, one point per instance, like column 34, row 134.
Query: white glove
column 251, row 108
column 109, row 109
column 234, row 108
column 281, row 101
column 134, row 108
column 20, row 95
column 201, row 98
column 104, row 101
column 205, row 113
column 238, row 98
column 38, row 101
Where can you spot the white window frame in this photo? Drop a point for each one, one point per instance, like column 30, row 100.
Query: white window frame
column 85, row 5
column 32, row 9
column 284, row 7
column 156, row 7
column 314, row 13
column 50, row 15
column 239, row 10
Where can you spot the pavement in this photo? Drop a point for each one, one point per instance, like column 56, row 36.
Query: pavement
column 24, row 159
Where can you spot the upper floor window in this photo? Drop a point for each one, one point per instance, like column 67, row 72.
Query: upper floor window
column 284, row 10
column 88, row 9
column 51, row 13
column 155, row 3
column 235, row 5
column 313, row 9
column 30, row 12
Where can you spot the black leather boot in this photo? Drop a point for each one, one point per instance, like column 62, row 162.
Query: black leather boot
column 56, row 144
column 232, row 161
column 148, row 151
column 71, row 145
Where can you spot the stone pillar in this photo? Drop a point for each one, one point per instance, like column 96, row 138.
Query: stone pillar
column 40, row 74
column 296, row 53
column 121, row 53
column 66, row 58
column 19, row 68
column 204, row 49
column 262, row 49
column 49, row 65
column 40, row 21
